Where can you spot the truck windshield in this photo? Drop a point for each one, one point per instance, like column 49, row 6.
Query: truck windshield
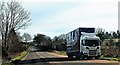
column 91, row 42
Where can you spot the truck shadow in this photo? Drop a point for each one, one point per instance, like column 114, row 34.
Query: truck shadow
column 35, row 50
column 40, row 60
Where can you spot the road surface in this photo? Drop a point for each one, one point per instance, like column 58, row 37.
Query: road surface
column 38, row 57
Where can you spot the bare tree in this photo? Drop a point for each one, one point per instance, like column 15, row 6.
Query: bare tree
column 99, row 30
column 26, row 37
column 12, row 17
column 100, row 33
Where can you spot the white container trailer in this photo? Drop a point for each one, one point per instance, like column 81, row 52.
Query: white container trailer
column 83, row 43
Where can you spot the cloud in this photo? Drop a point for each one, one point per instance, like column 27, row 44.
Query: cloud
column 80, row 15
column 62, row 19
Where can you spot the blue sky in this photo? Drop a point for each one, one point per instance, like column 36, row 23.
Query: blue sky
column 55, row 17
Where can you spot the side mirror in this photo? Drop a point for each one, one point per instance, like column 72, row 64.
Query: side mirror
column 83, row 44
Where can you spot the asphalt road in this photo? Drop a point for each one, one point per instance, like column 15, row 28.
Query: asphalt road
column 38, row 57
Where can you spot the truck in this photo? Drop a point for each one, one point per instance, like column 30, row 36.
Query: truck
column 83, row 43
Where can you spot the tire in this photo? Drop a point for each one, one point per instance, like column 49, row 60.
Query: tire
column 89, row 58
column 82, row 56
column 77, row 57
column 70, row 56
column 97, row 57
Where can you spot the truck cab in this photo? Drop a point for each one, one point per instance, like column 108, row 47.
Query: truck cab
column 90, row 45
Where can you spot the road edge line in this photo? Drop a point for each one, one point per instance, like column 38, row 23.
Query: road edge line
column 44, row 58
column 25, row 56
column 41, row 56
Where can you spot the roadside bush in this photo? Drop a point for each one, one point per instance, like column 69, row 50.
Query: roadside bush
column 44, row 48
column 61, row 47
column 50, row 50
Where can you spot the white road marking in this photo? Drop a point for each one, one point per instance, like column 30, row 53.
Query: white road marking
column 58, row 55
column 25, row 57
column 41, row 56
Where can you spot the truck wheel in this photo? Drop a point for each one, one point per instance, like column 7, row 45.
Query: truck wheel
column 77, row 57
column 82, row 56
column 97, row 57
column 70, row 57
column 89, row 58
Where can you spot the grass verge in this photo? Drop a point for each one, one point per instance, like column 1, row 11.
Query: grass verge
column 20, row 56
column 110, row 58
column 16, row 58
column 115, row 59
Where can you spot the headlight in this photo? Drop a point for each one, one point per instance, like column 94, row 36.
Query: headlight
column 87, row 48
column 97, row 47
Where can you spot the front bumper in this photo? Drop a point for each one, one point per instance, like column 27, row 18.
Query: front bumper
column 92, row 54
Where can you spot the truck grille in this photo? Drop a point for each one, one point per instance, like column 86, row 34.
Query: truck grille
column 92, row 52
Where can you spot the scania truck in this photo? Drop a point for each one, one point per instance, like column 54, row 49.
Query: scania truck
column 83, row 43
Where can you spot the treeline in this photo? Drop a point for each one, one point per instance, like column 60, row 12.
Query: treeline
column 110, row 42
column 59, row 42
column 12, row 18
column 46, row 43
column 107, row 35
column 14, row 45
